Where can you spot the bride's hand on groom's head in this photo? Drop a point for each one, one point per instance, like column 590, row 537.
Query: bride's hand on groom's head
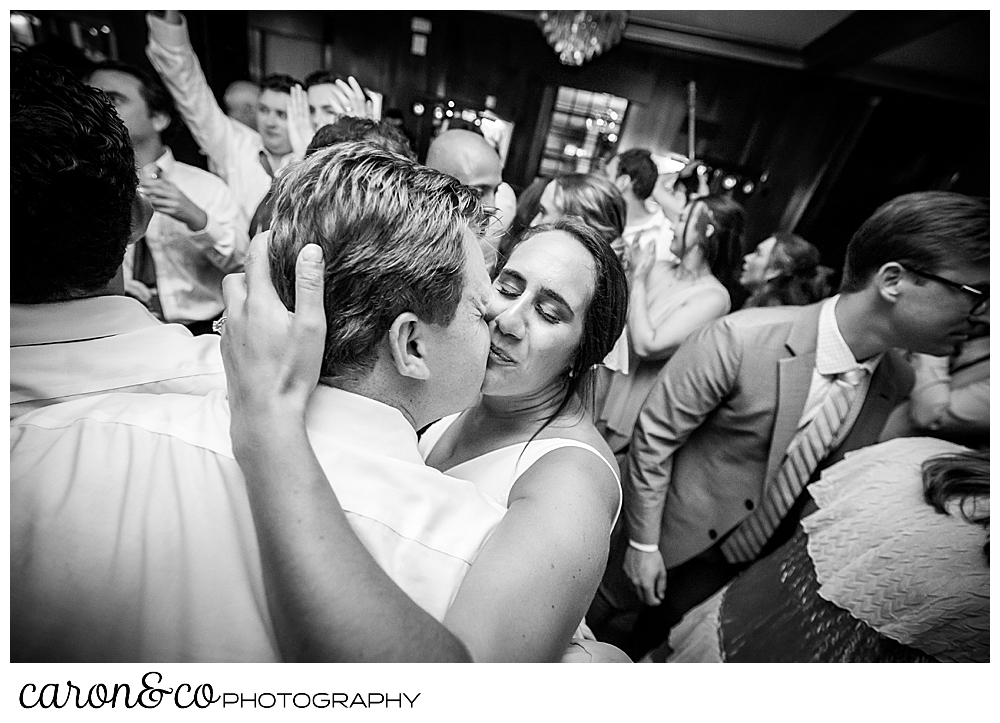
column 272, row 356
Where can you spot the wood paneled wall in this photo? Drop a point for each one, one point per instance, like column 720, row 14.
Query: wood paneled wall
column 831, row 150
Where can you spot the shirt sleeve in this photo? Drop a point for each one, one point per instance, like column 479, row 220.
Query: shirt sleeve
column 692, row 384
column 224, row 240
column 169, row 50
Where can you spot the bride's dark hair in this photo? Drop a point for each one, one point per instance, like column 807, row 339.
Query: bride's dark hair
column 605, row 317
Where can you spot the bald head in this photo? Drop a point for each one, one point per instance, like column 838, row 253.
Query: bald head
column 240, row 100
column 469, row 158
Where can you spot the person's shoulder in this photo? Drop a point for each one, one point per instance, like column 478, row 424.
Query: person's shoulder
column 563, row 466
column 747, row 322
column 710, row 290
column 770, row 316
column 763, row 322
column 583, row 432
column 191, row 419
column 580, row 446
column 745, row 329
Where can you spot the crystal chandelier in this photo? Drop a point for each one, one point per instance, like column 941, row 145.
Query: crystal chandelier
column 579, row 35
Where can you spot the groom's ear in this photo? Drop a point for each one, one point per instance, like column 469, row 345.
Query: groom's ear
column 408, row 339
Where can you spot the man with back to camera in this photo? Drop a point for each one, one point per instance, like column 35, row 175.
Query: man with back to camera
column 754, row 405
column 637, row 174
column 198, row 233
column 118, row 569
column 636, row 178
column 74, row 209
column 244, row 158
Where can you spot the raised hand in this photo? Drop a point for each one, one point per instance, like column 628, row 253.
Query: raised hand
column 352, row 98
column 300, row 129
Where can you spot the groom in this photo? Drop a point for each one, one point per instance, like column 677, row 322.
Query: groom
column 132, row 536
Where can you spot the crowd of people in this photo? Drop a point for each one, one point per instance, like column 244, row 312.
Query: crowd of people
column 329, row 403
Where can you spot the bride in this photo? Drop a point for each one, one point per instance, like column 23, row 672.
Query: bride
column 529, row 445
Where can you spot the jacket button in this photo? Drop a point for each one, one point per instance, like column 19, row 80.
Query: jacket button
column 749, row 504
column 713, row 534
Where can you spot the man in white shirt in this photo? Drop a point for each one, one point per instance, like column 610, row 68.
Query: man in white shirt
column 74, row 208
column 244, row 158
column 131, row 533
column 728, row 439
column 636, row 179
column 198, row 233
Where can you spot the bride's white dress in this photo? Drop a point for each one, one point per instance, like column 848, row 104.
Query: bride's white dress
column 494, row 473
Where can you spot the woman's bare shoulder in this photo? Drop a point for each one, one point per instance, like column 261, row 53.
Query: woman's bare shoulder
column 580, row 429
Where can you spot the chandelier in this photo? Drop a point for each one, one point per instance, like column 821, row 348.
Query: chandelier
column 579, row 35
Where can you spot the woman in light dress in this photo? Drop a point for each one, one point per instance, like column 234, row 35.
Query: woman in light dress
column 669, row 299
column 529, row 445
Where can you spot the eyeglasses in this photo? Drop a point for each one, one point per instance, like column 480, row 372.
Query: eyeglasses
column 982, row 298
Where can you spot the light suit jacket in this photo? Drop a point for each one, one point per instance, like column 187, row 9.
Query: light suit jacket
column 715, row 427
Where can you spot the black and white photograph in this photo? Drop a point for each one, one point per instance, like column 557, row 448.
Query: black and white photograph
column 498, row 336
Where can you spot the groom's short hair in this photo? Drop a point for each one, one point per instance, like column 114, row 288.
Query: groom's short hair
column 393, row 238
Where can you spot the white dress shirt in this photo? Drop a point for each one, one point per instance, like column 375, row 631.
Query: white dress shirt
column 190, row 265
column 233, row 149
column 69, row 349
column 132, row 537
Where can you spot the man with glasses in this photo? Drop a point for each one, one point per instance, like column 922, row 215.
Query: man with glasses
column 980, row 297
column 753, row 406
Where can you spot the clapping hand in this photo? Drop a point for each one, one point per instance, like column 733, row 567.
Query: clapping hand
column 167, row 198
column 643, row 259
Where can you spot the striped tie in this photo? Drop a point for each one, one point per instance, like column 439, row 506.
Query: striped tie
column 806, row 451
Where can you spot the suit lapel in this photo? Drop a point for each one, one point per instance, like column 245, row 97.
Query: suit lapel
column 794, row 379
column 884, row 393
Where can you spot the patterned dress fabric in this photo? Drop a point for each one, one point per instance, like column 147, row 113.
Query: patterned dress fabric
column 882, row 553
column 875, row 575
